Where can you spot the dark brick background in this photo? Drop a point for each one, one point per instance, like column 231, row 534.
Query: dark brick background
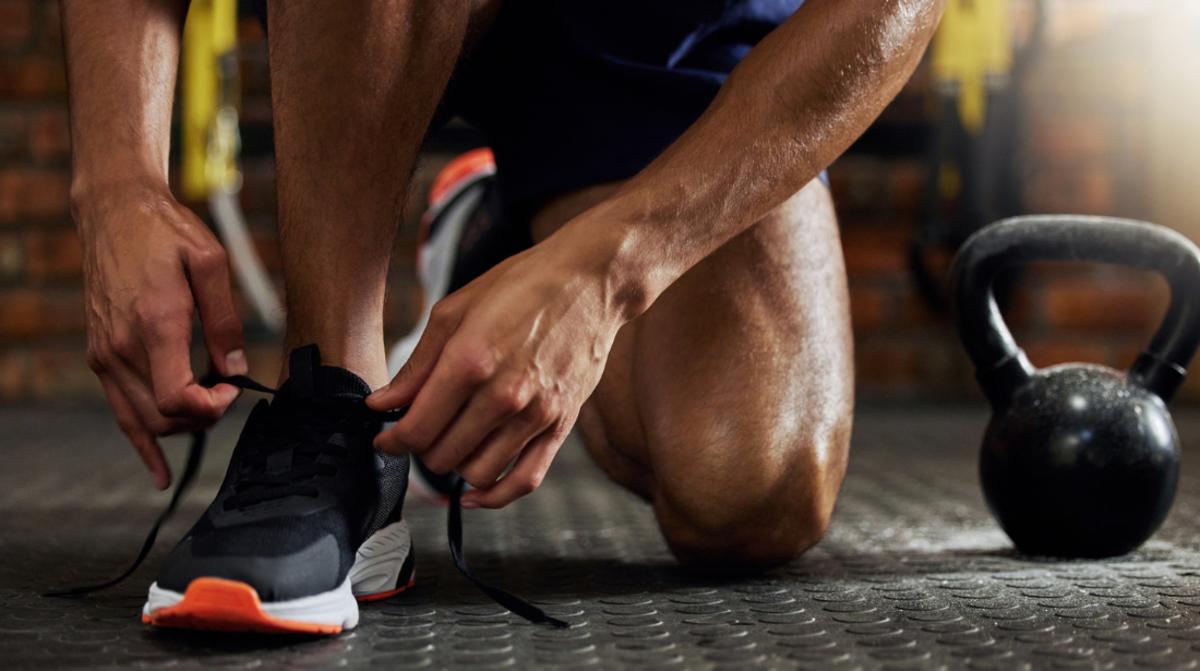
column 1083, row 152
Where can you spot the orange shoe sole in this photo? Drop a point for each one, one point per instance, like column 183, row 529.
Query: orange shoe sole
column 217, row 604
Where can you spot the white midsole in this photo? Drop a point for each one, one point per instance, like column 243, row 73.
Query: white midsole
column 377, row 566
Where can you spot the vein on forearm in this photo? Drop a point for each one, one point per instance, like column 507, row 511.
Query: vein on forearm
column 790, row 108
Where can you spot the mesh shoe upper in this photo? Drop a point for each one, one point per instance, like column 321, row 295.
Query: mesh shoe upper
column 304, row 489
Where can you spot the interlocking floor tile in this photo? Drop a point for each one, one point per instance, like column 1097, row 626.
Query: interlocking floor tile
column 913, row 575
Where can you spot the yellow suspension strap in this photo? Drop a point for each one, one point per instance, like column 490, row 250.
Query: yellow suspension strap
column 972, row 54
column 970, row 160
column 210, row 99
column 211, row 143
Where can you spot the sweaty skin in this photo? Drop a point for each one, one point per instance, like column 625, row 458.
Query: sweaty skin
column 696, row 312
column 505, row 364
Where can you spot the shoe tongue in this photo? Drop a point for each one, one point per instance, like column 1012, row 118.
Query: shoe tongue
column 309, row 380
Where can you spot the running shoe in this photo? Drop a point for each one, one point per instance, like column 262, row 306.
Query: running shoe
column 307, row 522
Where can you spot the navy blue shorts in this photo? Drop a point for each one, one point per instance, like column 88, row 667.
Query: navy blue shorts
column 570, row 93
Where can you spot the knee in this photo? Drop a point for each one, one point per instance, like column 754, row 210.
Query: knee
column 752, row 543
column 760, row 515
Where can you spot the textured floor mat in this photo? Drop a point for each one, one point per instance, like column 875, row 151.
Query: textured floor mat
column 914, row 574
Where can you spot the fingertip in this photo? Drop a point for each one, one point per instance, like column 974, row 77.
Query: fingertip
column 469, row 504
column 384, row 398
column 209, row 403
column 385, row 444
column 162, row 479
column 197, row 402
column 226, row 393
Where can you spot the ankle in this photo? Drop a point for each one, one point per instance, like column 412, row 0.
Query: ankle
column 367, row 360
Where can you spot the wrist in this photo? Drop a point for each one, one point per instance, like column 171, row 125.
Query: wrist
column 91, row 195
column 621, row 257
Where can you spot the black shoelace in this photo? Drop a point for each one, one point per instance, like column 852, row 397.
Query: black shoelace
column 510, row 601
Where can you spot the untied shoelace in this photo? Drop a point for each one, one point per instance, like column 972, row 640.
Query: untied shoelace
column 195, row 456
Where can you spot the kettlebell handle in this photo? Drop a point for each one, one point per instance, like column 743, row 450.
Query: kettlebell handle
column 1000, row 365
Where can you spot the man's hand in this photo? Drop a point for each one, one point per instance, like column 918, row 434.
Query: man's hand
column 149, row 265
column 148, row 262
column 501, row 371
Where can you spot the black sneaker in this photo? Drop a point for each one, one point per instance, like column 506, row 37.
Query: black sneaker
column 307, row 521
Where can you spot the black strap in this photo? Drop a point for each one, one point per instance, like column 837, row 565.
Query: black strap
column 240, row 381
column 511, row 602
column 195, row 456
column 302, row 367
column 191, row 467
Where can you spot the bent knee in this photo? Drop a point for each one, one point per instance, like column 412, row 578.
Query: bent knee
column 755, row 517
column 757, row 543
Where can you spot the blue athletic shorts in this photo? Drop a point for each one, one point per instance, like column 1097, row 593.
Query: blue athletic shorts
column 572, row 93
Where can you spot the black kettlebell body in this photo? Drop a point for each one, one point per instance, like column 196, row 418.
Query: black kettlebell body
column 1080, row 463
column 1078, row 460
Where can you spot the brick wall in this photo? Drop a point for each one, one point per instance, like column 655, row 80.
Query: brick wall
column 1085, row 149
column 41, row 310
column 1083, row 153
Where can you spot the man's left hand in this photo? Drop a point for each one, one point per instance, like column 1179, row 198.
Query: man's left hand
column 502, row 369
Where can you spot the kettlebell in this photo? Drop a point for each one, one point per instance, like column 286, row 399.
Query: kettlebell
column 1078, row 460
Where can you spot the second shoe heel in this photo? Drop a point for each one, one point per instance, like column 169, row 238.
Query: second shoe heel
column 384, row 564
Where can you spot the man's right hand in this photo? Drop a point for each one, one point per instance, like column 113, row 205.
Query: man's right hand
column 149, row 266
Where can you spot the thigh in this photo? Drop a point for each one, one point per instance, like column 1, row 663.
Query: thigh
column 748, row 350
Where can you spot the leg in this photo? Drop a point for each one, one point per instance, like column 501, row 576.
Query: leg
column 728, row 404
column 353, row 87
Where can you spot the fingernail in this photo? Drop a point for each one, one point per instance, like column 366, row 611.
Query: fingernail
column 235, row 362
column 379, row 391
column 469, row 504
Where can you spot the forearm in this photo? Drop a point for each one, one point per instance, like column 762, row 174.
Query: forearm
column 122, row 57
column 791, row 107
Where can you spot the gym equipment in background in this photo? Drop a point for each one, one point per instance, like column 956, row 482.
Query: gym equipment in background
column 211, row 142
column 973, row 159
column 1078, row 460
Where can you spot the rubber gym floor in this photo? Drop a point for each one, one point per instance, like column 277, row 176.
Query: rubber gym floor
column 913, row 574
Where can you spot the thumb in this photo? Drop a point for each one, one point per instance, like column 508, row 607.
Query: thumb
column 403, row 388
